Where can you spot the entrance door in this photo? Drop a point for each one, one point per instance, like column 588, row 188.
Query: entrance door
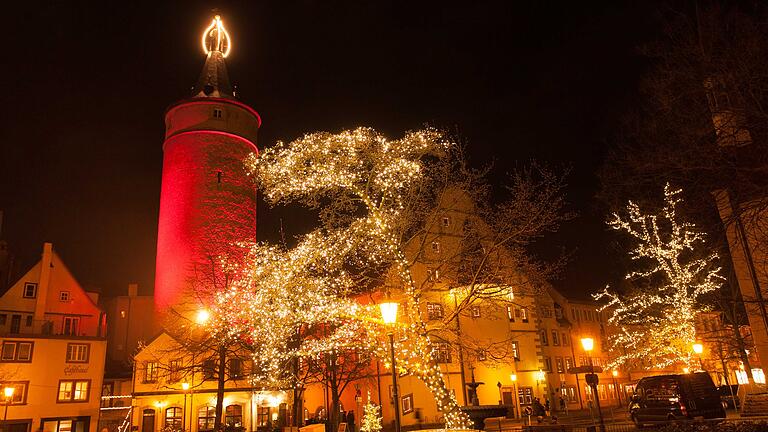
column 508, row 399
column 148, row 421
column 15, row 324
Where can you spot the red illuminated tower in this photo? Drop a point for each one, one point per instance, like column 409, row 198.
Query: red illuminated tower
column 207, row 201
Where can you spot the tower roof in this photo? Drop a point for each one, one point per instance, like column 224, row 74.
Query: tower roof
column 214, row 80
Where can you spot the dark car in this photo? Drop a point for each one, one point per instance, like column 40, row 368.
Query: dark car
column 666, row 398
column 729, row 395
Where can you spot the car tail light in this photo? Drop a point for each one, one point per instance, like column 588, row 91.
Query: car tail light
column 683, row 409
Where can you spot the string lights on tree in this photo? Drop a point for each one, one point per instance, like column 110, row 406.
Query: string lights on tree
column 655, row 322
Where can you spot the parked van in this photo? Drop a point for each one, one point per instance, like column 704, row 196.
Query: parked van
column 667, row 398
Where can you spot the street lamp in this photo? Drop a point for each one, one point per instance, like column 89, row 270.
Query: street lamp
column 202, row 316
column 589, row 344
column 698, row 348
column 516, row 406
column 389, row 316
column 615, row 373
column 185, row 387
column 8, row 396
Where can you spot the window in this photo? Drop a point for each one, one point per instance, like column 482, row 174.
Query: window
column 29, row 321
column 442, row 352
column 3, row 319
column 77, row 353
column 524, row 315
column 218, row 113
column 16, row 351
column 71, row 325
column 548, row 364
column 546, row 312
column 209, row 369
column 434, row 311
column 174, row 370
column 568, row 363
column 407, row 403
column 433, row 275
column 173, row 417
column 559, row 365
column 565, row 339
column 516, row 350
column 510, row 314
column 475, row 311
column 555, row 338
column 233, row 415
column 64, row 296
column 73, row 390
column 150, row 372
column 544, row 340
column 19, row 391
column 206, row 417
column 525, row 395
column 235, row 368
column 446, row 221
column 436, row 246
column 30, row 290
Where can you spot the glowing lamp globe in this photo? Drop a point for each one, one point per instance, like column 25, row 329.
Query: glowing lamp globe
column 698, row 348
column 185, row 386
column 540, row 375
column 615, row 373
column 686, row 370
column 389, row 312
column 513, row 377
column 202, row 316
column 9, row 392
column 588, row 344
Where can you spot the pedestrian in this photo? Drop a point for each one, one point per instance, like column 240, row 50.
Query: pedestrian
column 562, row 404
column 547, row 407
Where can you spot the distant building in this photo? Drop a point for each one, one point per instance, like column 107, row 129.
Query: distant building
column 53, row 350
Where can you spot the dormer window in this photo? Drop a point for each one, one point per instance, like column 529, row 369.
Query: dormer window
column 436, row 246
column 30, row 290
column 218, row 113
column 64, row 296
column 446, row 221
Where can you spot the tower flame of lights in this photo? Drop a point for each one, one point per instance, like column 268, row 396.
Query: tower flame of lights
column 216, row 38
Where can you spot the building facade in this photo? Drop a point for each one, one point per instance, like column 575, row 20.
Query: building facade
column 53, row 350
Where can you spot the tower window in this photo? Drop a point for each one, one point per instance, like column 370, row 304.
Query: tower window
column 218, row 113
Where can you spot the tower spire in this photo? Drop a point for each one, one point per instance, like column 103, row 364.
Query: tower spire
column 214, row 80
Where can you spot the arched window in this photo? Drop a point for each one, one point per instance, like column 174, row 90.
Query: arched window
column 173, row 417
column 206, row 417
column 233, row 416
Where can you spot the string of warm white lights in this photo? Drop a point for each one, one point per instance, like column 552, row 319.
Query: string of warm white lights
column 282, row 295
column 656, row 325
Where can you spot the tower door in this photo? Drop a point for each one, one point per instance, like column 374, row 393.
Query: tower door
column 148, row 421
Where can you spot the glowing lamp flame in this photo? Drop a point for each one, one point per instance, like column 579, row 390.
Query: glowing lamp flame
column 216, row 38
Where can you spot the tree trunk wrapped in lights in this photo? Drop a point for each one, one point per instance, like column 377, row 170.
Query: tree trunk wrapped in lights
column 656, row 322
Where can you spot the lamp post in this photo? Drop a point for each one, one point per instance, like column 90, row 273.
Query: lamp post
column 185, row 387
column 588, row 344
column 389, row 316
column 516, row 402
column 615, row 373
column 698, row 348
column 8, row 396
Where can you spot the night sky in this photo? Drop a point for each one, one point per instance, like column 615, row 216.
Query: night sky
column 85, row 86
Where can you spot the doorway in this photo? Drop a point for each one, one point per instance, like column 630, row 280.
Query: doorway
column 148, row 420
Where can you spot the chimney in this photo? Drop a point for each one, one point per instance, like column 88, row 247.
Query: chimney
column 46, row 264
